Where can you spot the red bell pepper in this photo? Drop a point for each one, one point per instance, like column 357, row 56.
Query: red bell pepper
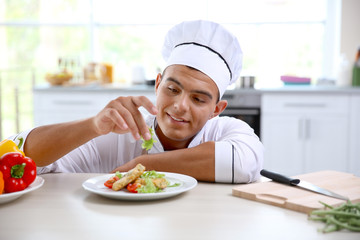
column 18, row 171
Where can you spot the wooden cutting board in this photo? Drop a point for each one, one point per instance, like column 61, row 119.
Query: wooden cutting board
column 297, row 199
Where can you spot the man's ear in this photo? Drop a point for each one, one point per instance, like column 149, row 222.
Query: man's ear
column 157, row 81
column 219, row 108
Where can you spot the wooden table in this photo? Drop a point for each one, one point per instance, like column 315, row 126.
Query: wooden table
column 62, row 209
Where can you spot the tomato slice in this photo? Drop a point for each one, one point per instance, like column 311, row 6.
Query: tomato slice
column 109, row 183
column 131, row 187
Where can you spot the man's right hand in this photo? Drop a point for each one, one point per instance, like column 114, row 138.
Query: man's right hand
column 122, row 115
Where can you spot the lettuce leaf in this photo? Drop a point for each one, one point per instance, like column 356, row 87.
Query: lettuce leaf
column 152, row 174
column 148, row 144
column 148, row 188
column 118, row 174
column 174, row 185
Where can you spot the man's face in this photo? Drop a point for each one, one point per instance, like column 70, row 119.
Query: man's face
column 186, row 99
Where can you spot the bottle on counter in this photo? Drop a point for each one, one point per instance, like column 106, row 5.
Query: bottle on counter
column 356, row 70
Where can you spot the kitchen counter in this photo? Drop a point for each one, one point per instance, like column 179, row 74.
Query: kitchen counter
column 149, row 89
column 95, row 88
column 62, row 209
column 313, row 89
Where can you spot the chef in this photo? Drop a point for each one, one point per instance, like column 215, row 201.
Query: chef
column 202, row 60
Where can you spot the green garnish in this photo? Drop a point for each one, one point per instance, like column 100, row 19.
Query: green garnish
column 147, row 144
column 118, row 174
column 174, row 185
column 152, row 174
column 148, row 188
column 346, row 216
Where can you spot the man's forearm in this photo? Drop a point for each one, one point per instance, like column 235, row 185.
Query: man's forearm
column 46, row 144
column 198, row 162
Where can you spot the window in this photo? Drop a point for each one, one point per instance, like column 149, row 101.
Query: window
column 277, row 37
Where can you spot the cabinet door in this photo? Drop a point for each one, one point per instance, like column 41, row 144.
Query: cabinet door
column 283, row 143
column 62, row 106
column 326, row 143
column 355, row 135
column 66, row 105
column 312, row 131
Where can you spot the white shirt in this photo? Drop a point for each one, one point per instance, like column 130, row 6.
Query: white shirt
column 238, row 151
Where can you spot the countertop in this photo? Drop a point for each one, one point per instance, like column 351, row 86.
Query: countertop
column 231, row 90
column 62, row 209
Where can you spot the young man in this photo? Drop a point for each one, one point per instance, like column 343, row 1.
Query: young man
column 202, row 59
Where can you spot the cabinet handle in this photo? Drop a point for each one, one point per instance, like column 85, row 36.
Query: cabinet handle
column 308, row 105
column 307, row 129
column 301, row 129
column 304, row 128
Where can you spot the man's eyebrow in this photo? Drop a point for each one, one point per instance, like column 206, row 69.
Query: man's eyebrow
column 171, row 79
column 195, row 91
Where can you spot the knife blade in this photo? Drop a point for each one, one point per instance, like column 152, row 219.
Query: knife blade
column 300, row 183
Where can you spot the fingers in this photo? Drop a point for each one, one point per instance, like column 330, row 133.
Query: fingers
column 109, row 120
column 140, row 122
column 116, row 118
column 126, row 167
column 124, row 113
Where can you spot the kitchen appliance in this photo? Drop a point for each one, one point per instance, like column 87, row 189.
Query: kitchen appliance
column 301, row 200
column 247, row 82
column 244, row 104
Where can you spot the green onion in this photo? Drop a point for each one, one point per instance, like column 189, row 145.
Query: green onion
column 346, row 216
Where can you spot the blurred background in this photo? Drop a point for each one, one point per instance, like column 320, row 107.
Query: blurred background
column 306, row 38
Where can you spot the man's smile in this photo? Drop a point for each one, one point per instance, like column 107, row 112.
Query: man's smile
column 175, row 118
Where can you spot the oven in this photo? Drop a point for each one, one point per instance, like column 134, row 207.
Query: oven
column 245, row 105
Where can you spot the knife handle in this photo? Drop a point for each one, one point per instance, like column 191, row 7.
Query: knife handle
column 279, row 178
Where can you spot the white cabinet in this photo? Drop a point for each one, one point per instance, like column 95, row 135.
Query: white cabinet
column 61, row 106
column 303, row 133
column 355, row 135
column 54, row 105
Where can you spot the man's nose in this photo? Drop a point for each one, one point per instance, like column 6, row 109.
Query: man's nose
column 182, row 104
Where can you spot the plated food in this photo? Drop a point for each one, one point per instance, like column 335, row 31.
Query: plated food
column 138, row 181
column 175, row 185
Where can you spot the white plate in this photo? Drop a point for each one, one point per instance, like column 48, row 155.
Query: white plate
column 7, row 197
column 96, row 185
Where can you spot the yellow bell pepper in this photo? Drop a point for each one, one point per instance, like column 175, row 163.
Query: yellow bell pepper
column 8, row 145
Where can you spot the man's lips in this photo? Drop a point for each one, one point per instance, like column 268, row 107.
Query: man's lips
column 176, row 119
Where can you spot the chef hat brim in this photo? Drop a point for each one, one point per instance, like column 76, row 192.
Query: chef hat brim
column 207, row 47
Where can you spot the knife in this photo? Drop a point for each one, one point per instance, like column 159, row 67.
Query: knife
column 299, row 183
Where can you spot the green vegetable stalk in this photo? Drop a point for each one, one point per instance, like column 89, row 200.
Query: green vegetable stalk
column 148, row 144
column 346, row 216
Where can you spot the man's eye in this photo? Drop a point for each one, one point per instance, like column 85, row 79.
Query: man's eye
column 173, row 90
column 200, row 100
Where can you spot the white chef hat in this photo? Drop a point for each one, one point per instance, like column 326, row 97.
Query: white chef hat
column 207, row 47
